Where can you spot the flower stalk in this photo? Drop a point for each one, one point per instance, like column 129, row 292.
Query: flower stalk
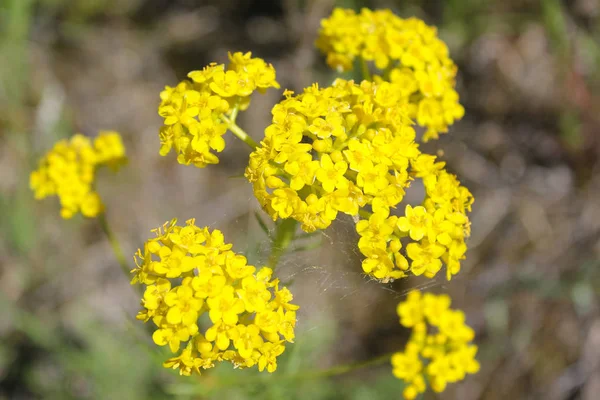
column 114, row 243
column 284, row 236
column 337, row 370
column 239, row 132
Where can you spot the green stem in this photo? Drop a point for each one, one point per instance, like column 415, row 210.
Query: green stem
column 265, row 378
column 284, row 236
column 364, row 214
column 114, row 243
column 234, row 114
column 340, row 369
column 387, row 71
column 365, row 69
column 239, row 132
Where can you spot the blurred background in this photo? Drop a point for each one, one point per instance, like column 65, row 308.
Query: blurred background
column 528, row 148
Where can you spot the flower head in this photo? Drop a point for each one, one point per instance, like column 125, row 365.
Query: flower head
column 429, row 235
column 69, row 169
column 197, row 112
column 350, row 148
column 410, row 53
column 190, row 272
column 332, row 150
column 439, row 350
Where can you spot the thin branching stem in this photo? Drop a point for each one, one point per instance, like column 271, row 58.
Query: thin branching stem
column 114, row 243
column 239, row 132
column 287, row 378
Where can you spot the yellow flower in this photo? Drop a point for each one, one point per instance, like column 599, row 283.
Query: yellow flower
column 284, row 202
column 413, row 58
column 332, row 150
column 225, row 84
column 373, row 179
column 183, row 306
column 425, row 258
column 268, row 356
column 350, row 147
column 109, row 149
column 69, row 169
column 225, row 307
column 196, row 112
column 246, row 339
column 359, row 155
column 415, row 222
column 185, row 362
column 437, row 228
column 331, row 175
column 439, row 350
column 189, row 272
column 406, row 366
column 411, row 310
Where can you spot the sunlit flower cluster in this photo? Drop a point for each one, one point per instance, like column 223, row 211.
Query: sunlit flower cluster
column 406, row 51
column 440, row 349
column 427, row 235
column 333, row 150
column 208, row 304
column 68, row 171
column 350, row 147
column 198, row 112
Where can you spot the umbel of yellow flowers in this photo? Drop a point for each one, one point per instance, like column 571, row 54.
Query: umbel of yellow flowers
column 439, row 350
column 68, row 171
column 407, row 52
column 197, row 113
column 190, row 273
column 348, row 147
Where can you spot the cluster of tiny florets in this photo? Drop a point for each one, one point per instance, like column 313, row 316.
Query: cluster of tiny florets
column 426, row 235
column 197, row 112
column 208, row 305
column 440, row 349
column 68, row 171
column 407, row 51
column 350, row 147
column 333, row 150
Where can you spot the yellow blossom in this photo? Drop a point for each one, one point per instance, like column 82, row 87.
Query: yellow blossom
column 407, row 52
column 351, row 148
column 414, row 221
column 68, row 171
column 190, row 271
column 437, row 229
column 439, row 350
column 332, row 150
column 197, row 113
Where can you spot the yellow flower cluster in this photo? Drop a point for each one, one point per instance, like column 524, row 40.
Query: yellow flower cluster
column 197, row 113
column 190, row 273
column 349, row 146
column 68, row 171
column 435, row 231
column 407, row 51
column 439, row 350
column 333, row 150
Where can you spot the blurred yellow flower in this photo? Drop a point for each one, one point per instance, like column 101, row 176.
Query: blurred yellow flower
column 68, row 171
column 439, row 350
